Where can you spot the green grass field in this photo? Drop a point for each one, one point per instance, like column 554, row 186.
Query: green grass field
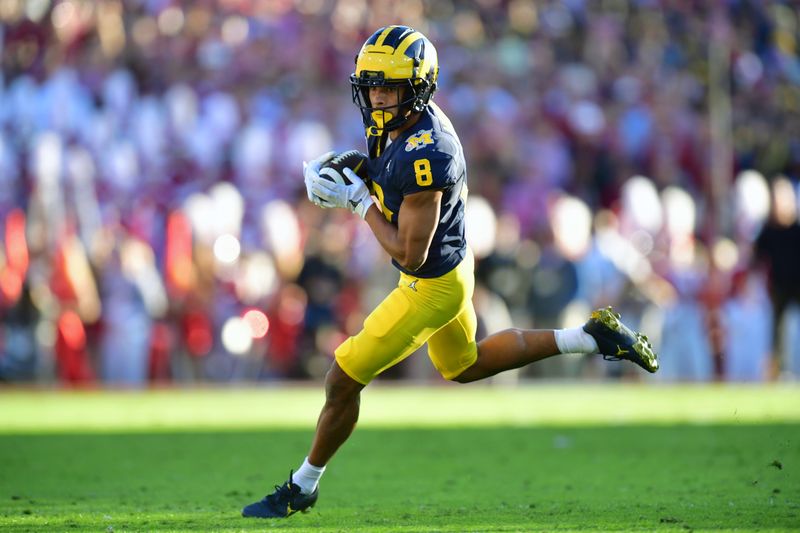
column 539, row 458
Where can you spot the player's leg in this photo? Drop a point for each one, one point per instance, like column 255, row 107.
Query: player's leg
column 394, row 330
column 603, row 333
column 508, row 349
column 458, row 357
column 334, row 425
column 336, row 422
column 402, row 323
column 338, row 417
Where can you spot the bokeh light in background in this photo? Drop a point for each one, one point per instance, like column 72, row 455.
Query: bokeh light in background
column 151, row 193
column 572, row 226
column 258, row 323
column 237, row 336
column 282, row 236
column 680, row 212
column 752, row 200
column 227, row 248
column 641, row 203
column 481, row 226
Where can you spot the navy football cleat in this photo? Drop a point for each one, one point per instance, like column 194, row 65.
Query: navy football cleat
column 284, row 502
column 616, row 341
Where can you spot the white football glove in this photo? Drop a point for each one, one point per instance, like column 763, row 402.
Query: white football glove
column 311, row 173
column 354, row 197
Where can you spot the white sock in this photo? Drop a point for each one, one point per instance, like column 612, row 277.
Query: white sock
column 307, row 476
column 575, row 340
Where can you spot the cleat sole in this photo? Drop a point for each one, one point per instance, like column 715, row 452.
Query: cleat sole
column 645, row 350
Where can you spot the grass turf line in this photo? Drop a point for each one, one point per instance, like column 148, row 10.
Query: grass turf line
column 387, row 406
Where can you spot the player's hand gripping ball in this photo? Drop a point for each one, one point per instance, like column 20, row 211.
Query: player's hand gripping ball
column 342, row 181
column 333, row 169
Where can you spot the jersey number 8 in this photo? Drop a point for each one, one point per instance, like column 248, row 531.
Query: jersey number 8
column 422, row 170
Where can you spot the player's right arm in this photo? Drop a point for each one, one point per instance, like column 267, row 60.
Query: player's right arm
column 408, row 242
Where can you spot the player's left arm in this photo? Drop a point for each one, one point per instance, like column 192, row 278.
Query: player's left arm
column 409, row 241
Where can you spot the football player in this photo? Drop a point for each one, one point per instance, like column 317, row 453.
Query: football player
column 415, row 207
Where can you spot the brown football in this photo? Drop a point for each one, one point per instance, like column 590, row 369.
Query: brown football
column 352, row 159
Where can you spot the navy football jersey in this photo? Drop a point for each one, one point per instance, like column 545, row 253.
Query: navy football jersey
column 426, row 156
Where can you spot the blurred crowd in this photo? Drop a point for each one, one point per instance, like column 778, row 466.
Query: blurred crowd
column 637, row 153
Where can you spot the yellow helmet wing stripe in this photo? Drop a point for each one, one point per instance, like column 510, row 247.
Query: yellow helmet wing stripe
column 408, row 41
column 383, row 35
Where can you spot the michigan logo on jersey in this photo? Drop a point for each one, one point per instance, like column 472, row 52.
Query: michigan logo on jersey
column 419, row 139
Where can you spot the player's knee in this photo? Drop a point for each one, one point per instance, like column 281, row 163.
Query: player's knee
column 473, row 371
column 341, row 388
column 463, row 378
column 469, row 374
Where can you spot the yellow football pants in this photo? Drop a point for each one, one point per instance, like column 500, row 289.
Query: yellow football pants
column 438, row 311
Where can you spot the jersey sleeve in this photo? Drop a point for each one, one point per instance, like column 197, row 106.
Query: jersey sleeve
column 426, row 169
